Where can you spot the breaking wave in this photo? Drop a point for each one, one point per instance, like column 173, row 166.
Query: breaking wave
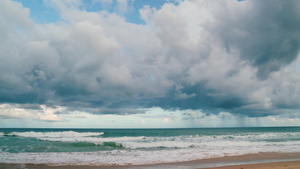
column 63, row 134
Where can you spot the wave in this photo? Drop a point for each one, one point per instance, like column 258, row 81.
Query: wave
column 83, row 144
column 104, row 144
column 63, row 134
column 273, row 136
column 112, row 144
column 174, row 142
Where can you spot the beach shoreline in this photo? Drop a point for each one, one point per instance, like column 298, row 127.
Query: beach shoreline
column 275, row 165
column 251, row 161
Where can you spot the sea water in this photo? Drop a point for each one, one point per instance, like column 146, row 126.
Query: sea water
column 140, row 146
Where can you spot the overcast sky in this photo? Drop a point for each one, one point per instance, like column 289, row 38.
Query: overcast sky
column 141, row 63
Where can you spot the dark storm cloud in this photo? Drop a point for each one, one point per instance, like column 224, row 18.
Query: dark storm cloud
column 204, row 99
column 214, row 56
column 268, row 35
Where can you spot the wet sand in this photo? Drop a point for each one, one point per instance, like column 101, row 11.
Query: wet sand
column 278, row 165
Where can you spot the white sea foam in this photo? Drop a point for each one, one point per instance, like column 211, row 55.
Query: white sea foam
column 137, row 157
column 63, row 134
column 96, row 140
column 267, row 136
column 105, row 158
column 115, row 157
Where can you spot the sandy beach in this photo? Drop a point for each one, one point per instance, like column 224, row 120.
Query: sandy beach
column 277, row 165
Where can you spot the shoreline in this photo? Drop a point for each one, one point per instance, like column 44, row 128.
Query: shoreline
column 275, row 165
column 242, row 161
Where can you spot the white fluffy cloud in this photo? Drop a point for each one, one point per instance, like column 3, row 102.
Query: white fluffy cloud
column 42, row 112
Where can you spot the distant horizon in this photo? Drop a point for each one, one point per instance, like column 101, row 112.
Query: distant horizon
column 160, row 128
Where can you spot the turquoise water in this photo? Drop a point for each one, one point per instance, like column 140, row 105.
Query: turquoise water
column 140, row 146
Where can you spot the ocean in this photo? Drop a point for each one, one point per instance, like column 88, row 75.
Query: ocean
column 105, row 147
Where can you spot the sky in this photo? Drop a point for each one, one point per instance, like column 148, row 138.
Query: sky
column 149, row 64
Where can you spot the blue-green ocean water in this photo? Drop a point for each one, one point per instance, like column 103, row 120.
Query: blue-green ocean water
column 140, row 146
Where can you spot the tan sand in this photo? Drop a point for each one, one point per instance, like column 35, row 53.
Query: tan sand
column 277, row 165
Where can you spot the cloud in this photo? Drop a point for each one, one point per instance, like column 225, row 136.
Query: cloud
column 226, row 119
column 122, row 6
column 13, row 14
column 230, row 56
column 44, row 113
column 265, row 33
